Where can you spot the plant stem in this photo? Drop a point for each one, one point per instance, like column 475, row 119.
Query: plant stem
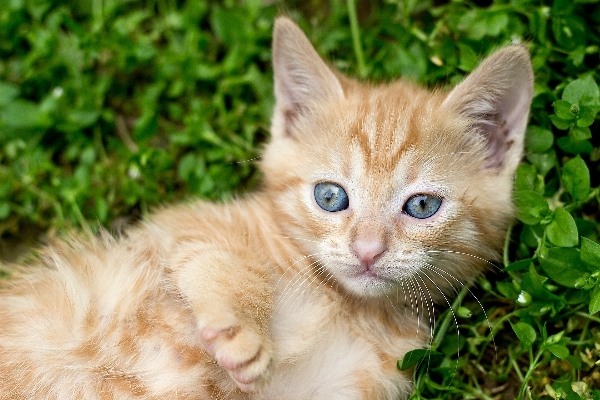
column 516, row 366
column 588, row 316
column 477, row 392
column 441, row 332
column 527, row 377
column 360, row 59
column 591, row 196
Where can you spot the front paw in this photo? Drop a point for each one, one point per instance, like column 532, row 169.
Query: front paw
column 243, row 352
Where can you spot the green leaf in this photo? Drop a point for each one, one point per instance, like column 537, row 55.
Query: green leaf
column 558, row 350
column 582, row 92
column 563, row 265
column 8, row 92
column 576, row 178
column 497, row 23
column 544, row 162
column 590, row 252
column 413, row 357
column 595, row 303
column 230, row 25
column 531, row 206
column 519, row 265
column 562, row 231
column 560, row 123
column 569, row 31
column 526, row 177
column 468, row 57
column 525, row 333
column 81, row 119
column 508, row 290
column 533, row 283
column 580, row 133
column 23, row 114
column 570, row 145
column 538, row 140
column 186, row 167
column 564, row 110
column 587, row 116
column 591, row 96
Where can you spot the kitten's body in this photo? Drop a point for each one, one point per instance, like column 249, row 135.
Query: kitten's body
column 117, row 327
column 291, row 300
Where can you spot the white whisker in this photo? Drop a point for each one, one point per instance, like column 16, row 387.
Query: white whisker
column 465, row 254
column 437, row 270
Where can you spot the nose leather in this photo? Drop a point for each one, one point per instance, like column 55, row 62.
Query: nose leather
column 368, row 251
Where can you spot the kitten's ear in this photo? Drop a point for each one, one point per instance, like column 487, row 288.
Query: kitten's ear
column 496, row 97
column 302, row 79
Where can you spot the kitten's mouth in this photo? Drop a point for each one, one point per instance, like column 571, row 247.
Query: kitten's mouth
column 370, row 275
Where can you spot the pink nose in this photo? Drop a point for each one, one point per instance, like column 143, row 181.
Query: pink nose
column 368, row 251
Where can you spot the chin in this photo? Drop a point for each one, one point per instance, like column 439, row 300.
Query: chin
column 368, row 284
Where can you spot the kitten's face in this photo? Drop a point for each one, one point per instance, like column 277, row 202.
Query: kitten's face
column 390, row 189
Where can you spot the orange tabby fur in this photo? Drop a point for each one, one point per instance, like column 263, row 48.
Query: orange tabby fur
column 269, row 296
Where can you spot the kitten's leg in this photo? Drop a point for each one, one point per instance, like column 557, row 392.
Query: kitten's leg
column 232, row 300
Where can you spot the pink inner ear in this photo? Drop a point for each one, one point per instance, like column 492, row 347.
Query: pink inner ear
column 506, row 127
column 498, row 136
column 497, row 97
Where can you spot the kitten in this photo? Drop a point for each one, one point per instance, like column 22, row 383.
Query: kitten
column 376, row 200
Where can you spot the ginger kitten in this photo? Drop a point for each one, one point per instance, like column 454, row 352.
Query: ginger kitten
column 376, row 200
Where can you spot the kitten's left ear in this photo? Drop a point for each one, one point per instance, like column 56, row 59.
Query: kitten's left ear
column 302, row 79
column 496, row 97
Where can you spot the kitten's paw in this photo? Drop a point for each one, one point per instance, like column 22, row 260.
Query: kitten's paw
column 243, row 352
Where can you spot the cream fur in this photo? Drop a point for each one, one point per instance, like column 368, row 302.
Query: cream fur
column 265, row 297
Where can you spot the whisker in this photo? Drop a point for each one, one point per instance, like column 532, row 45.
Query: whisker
column 320, row 268
column 293, row 285
column 288, row 268
column 245, row 161
column 413, row 296
column 466, row 254
column 430, row 312
column 431, row 315
column 433, row 268
column 297, row 238
column 418, row 294
column 455, row 323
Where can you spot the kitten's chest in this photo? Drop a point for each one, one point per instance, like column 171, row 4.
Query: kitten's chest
column 320, row 353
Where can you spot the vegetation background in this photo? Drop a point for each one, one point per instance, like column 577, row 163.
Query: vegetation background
column 111, row 107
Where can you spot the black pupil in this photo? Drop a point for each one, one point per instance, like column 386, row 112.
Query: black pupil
column 422, row 206
column 328, row 195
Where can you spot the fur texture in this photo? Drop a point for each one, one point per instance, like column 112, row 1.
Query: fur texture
column 272, row 296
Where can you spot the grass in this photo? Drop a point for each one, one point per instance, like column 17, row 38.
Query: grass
column 111, row 107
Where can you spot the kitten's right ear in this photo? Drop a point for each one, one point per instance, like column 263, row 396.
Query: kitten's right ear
column 302, row 79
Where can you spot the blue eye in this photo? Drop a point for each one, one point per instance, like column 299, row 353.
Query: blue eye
column 422, row 206
column 331, row 197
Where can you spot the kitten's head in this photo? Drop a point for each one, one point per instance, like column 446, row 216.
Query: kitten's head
column 394, row 187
